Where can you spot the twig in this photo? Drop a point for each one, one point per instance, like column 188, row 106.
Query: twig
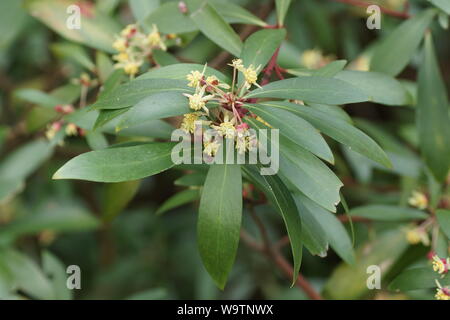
column 363, row 4
column 273, row 253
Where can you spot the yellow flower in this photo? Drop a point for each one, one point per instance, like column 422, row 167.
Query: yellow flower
column 194, row 78
column 154, row 39
column 440, row 265
column 442, row 294
column 120, row 44
column 214, row 81
column 197, row 101
column 418, row 200
column 244, row 140
column 131, row 67
column 237, row 63
column 311, row 59
column 361, row 63
column 189, row 119
column 417, row 235
column 251, row 76
column 52, row 130
column 71, row 129
column 226, row 129
column 211, row 148
column 121, row 57
column 129, row 30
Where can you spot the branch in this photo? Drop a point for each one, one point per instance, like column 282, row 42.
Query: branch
column 274, row 254
column 363, row 4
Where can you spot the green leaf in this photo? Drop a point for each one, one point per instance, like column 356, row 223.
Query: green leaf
column 179, row 71
column 97, row 30
column 214, row 27
column 417, row 278
column 330, row 70
column 51, row 216
column 312, row 89
column 56, row 272
column 179, row 199
column 20, row 163
column 381, row 212
column 307, row 173
column 130, row 93
column 313, row 235
column 170, row 19
column 38, row 97
column 282, row 9
column 383, row 252
column 193, row 179
column 157, row 106
column 260, row 47
column 380, row 87
column 337, row 129
column 219, row 220
column 295, row 129
column 443, row 217
column 164, row 58
column 432, row 114
column 442, row 4
column 107, row 115
column 395, row 51
column 96, row 140
column 233, row 13
column 119, row 164
column 73, row 52
column 26, row 275
column 335, row 233
column 116, row 198
column 404, row 161
column 142, row 8
column 13, row 19
column 104, row 65
column 282, row 200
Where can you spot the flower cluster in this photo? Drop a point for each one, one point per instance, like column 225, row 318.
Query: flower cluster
column 440, row 266
column 134, row 47
column 418, row 235
column 314, row 59
column 226, row 120
column 442, row 293
column 70, row 129
column 418, row 200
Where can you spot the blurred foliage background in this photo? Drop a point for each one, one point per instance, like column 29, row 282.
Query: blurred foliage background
column 124, row 249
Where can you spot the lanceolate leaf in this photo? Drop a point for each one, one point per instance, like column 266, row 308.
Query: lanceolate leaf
column 282, row 8
column 132, row 92
column 395, row 51
column 117, row 196
column 307, row 173
column 330, row 70
column 233, row 13
column 119, row 164
column 281, row 199
column 380, row 87
column 213, row 26
column 260, row 46
column 219, row 220
column 432, row 114
column 179, row 199
column 157, row 106
column 179, row 71
column 334, row 231
column 295, row 129
column 418, row 278
column 388, row 213
column 96, row 29
column 443, row 217
column 170, row 19
column 312, row 89
column 442, row 4
column 337, row 129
